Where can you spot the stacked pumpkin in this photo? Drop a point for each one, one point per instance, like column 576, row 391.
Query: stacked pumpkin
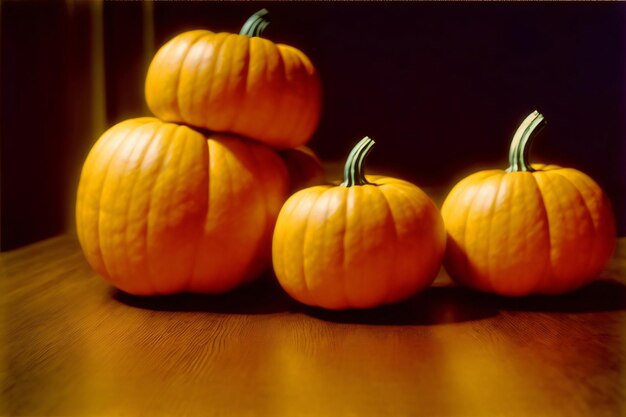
column 187, row 200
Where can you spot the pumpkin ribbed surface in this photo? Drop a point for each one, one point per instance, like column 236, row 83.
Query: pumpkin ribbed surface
column 245, row 85
column 162, row 208
column 531, row 229
column 370, row 241
column 549, row 231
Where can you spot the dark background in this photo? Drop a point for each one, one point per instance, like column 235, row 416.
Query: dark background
column 440, row 86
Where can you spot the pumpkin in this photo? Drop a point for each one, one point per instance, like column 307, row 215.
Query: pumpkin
column 238, row 83
column 532, row 229
column 371, row 240
column 304, row 167
column 162, row 208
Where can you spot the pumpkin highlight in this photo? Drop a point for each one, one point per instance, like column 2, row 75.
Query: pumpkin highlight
column 162, row 208
column 238, row 83
column 532, row 229
column 370, row 241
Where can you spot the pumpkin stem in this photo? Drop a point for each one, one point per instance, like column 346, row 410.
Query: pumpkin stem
column 353, row 173
column 256, row 24
column 523, row 138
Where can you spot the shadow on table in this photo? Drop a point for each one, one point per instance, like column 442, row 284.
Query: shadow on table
column 436, row 305
column 599, row 296
column 452, row 304
column 263, row 296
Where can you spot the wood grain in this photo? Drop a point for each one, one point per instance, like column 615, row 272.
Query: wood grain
column 73, row 346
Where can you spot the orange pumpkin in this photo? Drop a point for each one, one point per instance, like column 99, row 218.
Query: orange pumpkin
column 305, row 168
column 370, row 241
column 530, row 229
column 161, row 208
column 241, row 84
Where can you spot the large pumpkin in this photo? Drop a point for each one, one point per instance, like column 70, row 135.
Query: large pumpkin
column 162, row 208
column 242, row 84
column 530, row 229
column 369, row 241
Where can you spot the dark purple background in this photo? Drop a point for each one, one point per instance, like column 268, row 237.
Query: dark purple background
column 441, row 87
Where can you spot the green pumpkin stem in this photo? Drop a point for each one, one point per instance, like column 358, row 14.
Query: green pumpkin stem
column 353, row 173
column 522, row 140
column 256, row 24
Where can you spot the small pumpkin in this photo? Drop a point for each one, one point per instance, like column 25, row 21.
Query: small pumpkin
column 304, row 167
column 530, row 229
column 238, row 83
column 162, row 208
column 367, row 242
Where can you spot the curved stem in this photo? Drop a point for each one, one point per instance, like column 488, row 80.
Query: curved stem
column 522, row 140
column 256, row 24
column 354, row 170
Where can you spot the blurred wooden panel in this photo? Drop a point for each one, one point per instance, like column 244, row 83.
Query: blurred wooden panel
column 73, row 346
column 33, row 53
column 129, row 48
column 53, row 106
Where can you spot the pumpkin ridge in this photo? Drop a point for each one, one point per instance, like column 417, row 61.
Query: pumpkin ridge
column 111, row 155
column 293, row 208
column 510, row 219
column 491, row 216
column 228, row 168
column 277, row 103
column 259, row 53
column 351, row 211
column 159, row 171
column 232, row 180
column 466, row 260
column 484, row 280
column 226, row 173
column 178, row 74
column 180, row 134
column 401, row 188
column 217, row 43
column 112, row 265
column 594, row 245
column 251, row 84
column 548, row 277
column 230, row 85
column 325, row 247
column 391, row 283
column 191, row 100
column 604, row 223
column 196, row 250
column 548, row 269
column 241, row 91
column 129, row 205
column 306, row 233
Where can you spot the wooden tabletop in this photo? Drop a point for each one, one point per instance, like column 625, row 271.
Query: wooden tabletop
column 74, row 346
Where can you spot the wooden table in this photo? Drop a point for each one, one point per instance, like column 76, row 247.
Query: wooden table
column 73, row 346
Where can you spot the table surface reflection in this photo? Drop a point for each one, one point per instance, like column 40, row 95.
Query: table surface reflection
column 74, row 346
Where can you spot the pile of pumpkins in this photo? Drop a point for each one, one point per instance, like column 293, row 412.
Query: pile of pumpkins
column 197, row 199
